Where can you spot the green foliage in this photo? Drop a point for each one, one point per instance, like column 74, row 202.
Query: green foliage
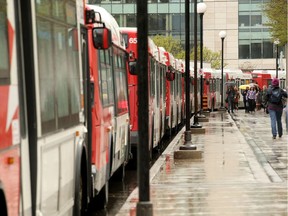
column 174, row 46
column 276, row 12
column 170, row 44
column 209, row 56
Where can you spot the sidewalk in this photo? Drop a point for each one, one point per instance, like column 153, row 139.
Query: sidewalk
column 238, row 175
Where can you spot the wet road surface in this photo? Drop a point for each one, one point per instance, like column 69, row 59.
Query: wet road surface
column 119, row 190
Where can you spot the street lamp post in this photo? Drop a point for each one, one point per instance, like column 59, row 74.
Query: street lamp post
column 201, row 9
column 188, row 145
column 196, row 122
column 276, row 42
column 222, row 35
column 144, row 206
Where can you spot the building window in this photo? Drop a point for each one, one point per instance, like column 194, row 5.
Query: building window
column 244, row 2
column 256, row 20
column 157, row 22
column 244, row 51
column 244, row 20
column 130, row 20
column 256, row 50
column 267, row 49
column 178, row 23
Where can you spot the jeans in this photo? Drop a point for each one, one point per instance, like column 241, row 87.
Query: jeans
column 275, row 116
column 230, row 104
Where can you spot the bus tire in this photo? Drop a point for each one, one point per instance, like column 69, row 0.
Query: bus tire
column 80, row 205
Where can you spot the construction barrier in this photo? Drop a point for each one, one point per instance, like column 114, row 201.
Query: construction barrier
column 205, row 102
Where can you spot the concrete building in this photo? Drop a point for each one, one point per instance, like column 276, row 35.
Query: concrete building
column 248, row 44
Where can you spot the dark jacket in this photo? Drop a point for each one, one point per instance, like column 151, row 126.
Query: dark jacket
column 272, row 106
column 244, row 93
column 230, row 94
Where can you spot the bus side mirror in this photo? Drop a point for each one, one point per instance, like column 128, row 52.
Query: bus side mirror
column 133, row 68
column 102, row 38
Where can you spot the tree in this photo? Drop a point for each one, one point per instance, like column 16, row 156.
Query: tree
column 276, row 12
column 170, row 44
column 174, row 46
column 209, row 56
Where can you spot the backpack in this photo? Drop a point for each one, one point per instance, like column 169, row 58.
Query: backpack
column 275, row 97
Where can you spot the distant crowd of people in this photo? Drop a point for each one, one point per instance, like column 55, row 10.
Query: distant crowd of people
column 271, row 99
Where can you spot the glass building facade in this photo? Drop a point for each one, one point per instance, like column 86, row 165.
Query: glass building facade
column 165, row 17
column 254, row 37
column 248, row 38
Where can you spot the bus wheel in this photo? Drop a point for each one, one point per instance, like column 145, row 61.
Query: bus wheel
column 80, row 206
column 102, row 198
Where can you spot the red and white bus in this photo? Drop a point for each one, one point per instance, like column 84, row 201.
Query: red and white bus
column 159, row 89
column 64, row 123
column 130, row 37
column 110, row 129
column 42, row 126
column 264, row 77
column 171, row 93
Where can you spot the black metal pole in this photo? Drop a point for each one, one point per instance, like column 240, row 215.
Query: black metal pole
column 222, row 57
column 277, row 65
column 196, row 123
column 187, row 134
column 201, row 62
column 144, row 206
column 195, row 60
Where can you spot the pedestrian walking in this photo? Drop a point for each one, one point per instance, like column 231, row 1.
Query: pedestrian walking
column 230, row 97
column 251, row 97
column 259, row 99
column 244, row 94
column 275, row 106
column 236, row 98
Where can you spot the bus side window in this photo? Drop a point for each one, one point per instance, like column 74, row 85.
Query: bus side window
column 4, row 54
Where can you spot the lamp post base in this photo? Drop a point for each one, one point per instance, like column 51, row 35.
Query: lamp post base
column 144, row 208
column 196, row 125
column 196, row 122
column 187, row 145
column 223, row 109
column 201, row 115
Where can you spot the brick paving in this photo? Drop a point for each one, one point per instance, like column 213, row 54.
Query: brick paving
column 242, row 171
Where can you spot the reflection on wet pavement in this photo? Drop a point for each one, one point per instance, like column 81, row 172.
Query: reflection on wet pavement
column 242, row 172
